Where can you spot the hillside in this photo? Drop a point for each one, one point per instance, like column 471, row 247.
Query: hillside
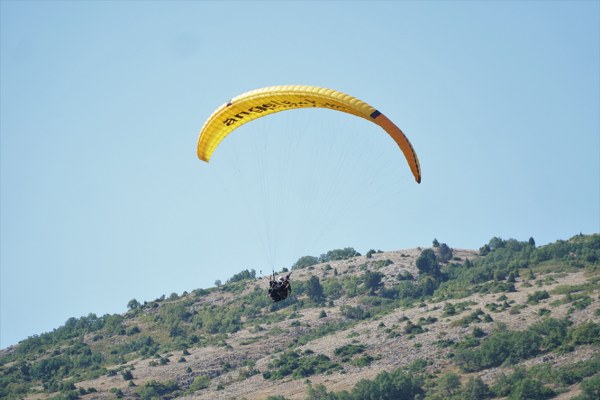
column 508, row 320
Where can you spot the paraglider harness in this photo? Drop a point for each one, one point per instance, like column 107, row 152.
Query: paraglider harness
column 279, row 288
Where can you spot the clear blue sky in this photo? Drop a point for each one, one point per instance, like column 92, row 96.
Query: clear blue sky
column 103, row 199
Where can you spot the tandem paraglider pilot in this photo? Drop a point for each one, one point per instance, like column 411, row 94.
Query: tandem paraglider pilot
column 279, row 288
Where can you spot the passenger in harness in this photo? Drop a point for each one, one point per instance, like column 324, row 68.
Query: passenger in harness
column 279, row 288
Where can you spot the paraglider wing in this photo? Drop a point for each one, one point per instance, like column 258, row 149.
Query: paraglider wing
column 261, row 102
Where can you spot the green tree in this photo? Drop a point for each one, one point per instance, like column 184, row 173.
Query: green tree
column 449, row 383
column 372, row 281
column 314, row 289
column 475, row 389
column 305, row 261
column 496, row 243
column 485, row 250
column 339, row 254
column 427, row 263
column 428, row 285
column 332, row 289
column 530, row 389
column 242, row 276
column 133, row 304
column 444, row 253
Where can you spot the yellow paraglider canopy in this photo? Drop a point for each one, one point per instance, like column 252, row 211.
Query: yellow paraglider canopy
column 261, row 102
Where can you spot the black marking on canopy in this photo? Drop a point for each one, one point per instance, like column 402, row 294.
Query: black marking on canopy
column 415, row 159
column 375, row 114
column 229, row 103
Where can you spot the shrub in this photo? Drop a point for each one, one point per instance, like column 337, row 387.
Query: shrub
column 363, row 361
column 498, row 348
column 332, row 289
column 544, row 312
column 397, row 385
column 322, row 330
column 528, row 388
column 405, row 276
column 347, row 351
column 412, row 329
column 449, row 310
column 476, row 316
column 588, row 333
column 353, row 312
column 591, row 388
column 298, row 366
column 200, row 382
column 153, row 389
column 478, row 332
column 133, row 330
column 537, row 296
